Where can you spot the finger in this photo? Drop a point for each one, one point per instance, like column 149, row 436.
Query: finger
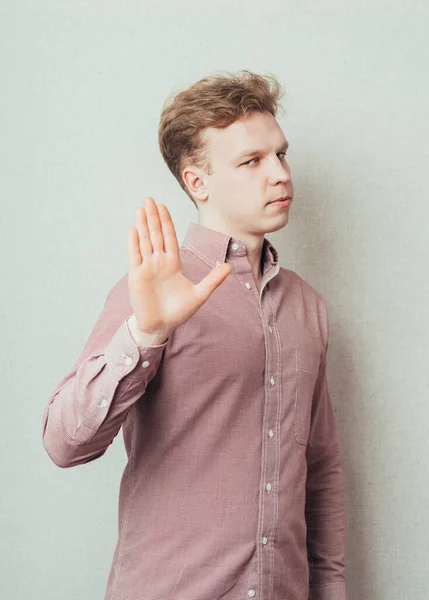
column 154, row 224
column 143, row 231
column 133, row 247
column 168, row 230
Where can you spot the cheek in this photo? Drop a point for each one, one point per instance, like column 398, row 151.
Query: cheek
column 234, row 183
column 237, row 190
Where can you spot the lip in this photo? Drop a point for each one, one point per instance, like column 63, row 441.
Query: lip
column 282, row 201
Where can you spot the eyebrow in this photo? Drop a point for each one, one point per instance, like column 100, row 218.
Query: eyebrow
column 282, row 148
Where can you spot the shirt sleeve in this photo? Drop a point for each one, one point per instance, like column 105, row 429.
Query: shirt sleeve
column 88, row 406
column 324, row 492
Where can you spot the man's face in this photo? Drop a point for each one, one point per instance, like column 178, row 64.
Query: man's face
column 241, row 185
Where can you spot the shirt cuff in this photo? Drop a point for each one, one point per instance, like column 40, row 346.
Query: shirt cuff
column 126, row 358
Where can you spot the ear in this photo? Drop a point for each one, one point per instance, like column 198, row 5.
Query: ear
column 196, row 181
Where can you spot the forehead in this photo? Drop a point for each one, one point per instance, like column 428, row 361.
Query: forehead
column 257, row 130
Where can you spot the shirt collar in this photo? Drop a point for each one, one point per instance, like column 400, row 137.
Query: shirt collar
column 215, row 246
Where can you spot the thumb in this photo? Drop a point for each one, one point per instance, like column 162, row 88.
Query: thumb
column 211, row 281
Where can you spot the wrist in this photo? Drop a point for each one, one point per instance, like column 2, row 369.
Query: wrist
column 142, row 338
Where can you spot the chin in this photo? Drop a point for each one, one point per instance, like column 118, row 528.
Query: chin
column 276, row 224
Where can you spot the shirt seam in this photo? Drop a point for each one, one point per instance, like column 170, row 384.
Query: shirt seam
column 202, row 256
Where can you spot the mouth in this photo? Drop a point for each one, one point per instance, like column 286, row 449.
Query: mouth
column 284, row 200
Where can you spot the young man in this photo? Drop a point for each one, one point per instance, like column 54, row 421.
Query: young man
column 213, row 359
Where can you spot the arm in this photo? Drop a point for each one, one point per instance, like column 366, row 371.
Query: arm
column 325, row 501
column 89, row 405
column 124, row 351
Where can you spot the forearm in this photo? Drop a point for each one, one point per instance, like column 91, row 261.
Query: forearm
column 88, row 407
column 325, row 527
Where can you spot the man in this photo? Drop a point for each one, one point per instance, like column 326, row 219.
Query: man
column 213, row 358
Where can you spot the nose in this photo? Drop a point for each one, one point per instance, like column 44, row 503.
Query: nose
column 279, row 172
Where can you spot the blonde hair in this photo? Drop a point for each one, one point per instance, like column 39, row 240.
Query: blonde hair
column 214, row 101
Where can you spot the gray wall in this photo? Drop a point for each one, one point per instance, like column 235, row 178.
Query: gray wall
column 82, row 88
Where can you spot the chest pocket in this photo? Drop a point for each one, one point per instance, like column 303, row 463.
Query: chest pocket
column 307, row 364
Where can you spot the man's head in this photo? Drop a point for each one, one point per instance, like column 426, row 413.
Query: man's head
column 204, row 132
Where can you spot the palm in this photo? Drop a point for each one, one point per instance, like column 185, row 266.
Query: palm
column 162, row 298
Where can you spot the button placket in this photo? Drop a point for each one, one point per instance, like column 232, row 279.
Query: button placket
column 271, row 467
column 268, row 496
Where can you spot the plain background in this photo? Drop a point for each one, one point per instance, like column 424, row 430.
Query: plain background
column 82, row 86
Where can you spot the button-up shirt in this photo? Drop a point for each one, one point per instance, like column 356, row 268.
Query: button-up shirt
column 233, row 485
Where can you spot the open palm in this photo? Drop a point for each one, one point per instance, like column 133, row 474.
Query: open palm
column 162, row 298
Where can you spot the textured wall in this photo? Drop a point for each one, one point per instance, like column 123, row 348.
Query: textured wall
column 82, row 89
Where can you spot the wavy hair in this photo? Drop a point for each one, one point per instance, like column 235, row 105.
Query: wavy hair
column 213, row 101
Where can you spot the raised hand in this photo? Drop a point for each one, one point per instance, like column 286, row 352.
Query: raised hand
column 162, row 298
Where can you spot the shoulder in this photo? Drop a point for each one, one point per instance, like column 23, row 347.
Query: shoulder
column 298, row 284
column 119, row 290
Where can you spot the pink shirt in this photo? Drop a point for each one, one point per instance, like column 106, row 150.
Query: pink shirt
column 233, row 487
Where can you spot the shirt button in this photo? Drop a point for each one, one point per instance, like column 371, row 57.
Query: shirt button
column 251, row 593
column 272, row 380
column 128, row 360
column 268, row 486
column 270, row 328
column 145, row 363
column 104, row 403
column 271, row 433
column 217, row 263
column 234, row 246
column 248, row 286
column 264, row 540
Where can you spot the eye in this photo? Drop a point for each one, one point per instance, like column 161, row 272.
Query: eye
column 249, row 161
